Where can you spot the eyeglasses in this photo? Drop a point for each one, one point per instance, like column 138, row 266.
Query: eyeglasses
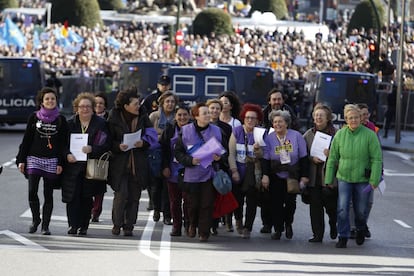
column 250, row 118
column 84, row 106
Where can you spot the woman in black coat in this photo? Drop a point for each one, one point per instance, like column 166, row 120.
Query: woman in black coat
column 77, row 191
column 128, row 167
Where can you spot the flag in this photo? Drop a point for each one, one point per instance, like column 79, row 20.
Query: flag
column 36, row 40
column 12, row 34
column 64, row 29
column 74, row 37
column 113, row 42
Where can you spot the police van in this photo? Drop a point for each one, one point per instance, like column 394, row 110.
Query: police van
column 20, row 81
column 336, row 89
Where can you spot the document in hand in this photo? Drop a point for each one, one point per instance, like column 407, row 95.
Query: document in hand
column 131, row 138
column 258, row 133
column 77, row 142
column 321, row 142
column 205, row 152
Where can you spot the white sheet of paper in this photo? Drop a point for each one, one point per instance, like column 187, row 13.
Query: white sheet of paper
column 258, row 136
column 131, row 138
column 319, row 144
column 77, row 142
column 382, row 186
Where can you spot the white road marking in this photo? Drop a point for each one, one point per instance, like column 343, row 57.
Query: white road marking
column 25, row 242
column 165, row 245
column 401, row 155
column 393, row 173
column 402, row 223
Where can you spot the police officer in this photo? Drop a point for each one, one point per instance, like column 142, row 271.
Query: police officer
column 150, row 102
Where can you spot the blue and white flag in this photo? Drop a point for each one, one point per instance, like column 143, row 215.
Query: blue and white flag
column 12, row 34
column 113, row 42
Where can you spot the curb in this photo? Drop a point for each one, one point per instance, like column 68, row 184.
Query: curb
column 390, row 148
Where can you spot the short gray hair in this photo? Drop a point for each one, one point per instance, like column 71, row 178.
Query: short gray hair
column 280, row 113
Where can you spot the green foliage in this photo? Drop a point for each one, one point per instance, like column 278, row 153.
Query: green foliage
column 77, row 12
column 212, row 20
column 364, row 16
column 278, row 7
column 110, row 4
column 4, row 4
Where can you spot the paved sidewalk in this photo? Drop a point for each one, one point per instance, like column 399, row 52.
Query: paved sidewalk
column 406, row 143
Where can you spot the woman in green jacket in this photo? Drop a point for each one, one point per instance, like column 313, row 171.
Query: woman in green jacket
column 355, row 159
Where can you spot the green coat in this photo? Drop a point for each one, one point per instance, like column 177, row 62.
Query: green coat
column 355, row 157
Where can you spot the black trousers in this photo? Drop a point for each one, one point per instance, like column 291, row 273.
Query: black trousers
column 159, row 196
column 79, row 209
column 34, row 202
column 319, row 203
column 283, row 204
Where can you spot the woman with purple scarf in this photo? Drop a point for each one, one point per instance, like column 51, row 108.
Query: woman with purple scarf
column 41, row 155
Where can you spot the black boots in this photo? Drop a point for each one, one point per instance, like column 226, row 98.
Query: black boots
column 341, row 243
column 47, row 213
column 35, row 208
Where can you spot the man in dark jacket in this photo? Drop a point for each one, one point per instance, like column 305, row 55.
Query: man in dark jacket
column 150, row 102
column 277, row 102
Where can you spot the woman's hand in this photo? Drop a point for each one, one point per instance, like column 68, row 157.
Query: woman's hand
column 71, row 158
column 235, row 175
column 196, row 161
column 265, row 182
column 166, row 172
column 316, row 160
column 216, row 157
column 139, row 144
column 59, row 169
column 87, row 149
column 123, row 147
column 22, row 167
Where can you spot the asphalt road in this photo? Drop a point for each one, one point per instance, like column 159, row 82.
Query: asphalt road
column 151, row 251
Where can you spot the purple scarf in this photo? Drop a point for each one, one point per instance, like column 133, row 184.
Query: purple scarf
column 47, row 115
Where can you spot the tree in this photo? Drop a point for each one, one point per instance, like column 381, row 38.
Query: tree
column 364, row 16
column 278, row 7
column 4, row 4
column 110, row 4
column 212, row 20
column 76, row 12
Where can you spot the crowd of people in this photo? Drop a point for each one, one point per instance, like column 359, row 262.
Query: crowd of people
column 104, row 48
column 268, row 161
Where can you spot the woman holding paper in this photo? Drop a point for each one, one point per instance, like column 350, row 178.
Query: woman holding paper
column 128, row 167
column 41, row 155
column 77, row 191
column 199, row 174
column 244, row 154
column 284, row 158
column 355, row 158
column 321, row 197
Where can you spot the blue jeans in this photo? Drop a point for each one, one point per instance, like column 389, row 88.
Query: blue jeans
column 354, row 192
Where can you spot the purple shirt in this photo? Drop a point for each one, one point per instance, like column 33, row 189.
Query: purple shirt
column 294, row 144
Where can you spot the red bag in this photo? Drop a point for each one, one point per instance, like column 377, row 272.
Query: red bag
column 224, row 204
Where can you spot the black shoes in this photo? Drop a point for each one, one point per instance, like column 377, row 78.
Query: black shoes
column 276, row 235
column 352, row 234
column 266, row 229
column 116, row 230
column 360, row 237
column 33, row 227
column 367, row 233
column 95, row 219
column 83, row 231
column 46, row 231
column 334, row 232
column 127, row 232
column 72, row 230
column 289, row 231
column 213, row 231
column 341, row 243
column 167, row 221
column 175, row 233
column 156, row 216
column 315, row 239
